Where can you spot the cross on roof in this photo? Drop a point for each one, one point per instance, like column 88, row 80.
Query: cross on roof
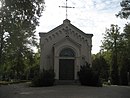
column 66, row 8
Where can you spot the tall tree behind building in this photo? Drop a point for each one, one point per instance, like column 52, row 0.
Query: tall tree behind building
column 110, row 43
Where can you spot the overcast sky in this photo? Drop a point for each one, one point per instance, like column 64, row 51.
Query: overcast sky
column 90, row 16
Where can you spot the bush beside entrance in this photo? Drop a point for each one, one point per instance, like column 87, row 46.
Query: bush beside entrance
column 88, row 77
column 45, row 78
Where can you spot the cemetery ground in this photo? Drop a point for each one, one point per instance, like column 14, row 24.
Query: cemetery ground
column 22, row 90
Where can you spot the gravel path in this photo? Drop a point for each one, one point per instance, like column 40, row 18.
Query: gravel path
column 63, row 91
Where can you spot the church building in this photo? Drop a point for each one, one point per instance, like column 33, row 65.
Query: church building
column 64, row 49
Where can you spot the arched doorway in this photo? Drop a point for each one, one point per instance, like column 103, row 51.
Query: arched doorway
column 66, row 64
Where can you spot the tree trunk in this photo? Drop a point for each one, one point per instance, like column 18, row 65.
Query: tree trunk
column 1, row 47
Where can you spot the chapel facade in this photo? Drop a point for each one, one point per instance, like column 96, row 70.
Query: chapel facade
column 64, row 49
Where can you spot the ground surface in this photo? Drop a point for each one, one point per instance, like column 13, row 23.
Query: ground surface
column 63, row 91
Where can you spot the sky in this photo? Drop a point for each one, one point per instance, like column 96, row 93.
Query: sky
column 90, row 16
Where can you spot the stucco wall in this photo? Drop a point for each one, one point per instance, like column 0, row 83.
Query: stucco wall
column 65, row 35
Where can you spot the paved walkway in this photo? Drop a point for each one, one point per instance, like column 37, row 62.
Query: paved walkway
column 63, row 91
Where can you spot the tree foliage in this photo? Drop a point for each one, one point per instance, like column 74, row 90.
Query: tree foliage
column 18, row 21
column 127, row 37
column 125, row 9
column 117, row 45
column 111, row 43
column 100, row 65
column 111, row 38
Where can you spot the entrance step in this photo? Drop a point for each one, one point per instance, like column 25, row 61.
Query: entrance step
column 67, row 82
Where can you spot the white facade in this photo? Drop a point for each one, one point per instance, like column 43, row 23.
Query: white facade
column 65, row 49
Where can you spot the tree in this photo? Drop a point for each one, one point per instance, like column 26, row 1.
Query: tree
column 125, row 11
column 124, row 57
column 127, row 37
column 32, row 65
column 125, row 68
column 18, row 20
column 110, row 43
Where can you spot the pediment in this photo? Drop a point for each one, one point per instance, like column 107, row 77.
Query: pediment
column 67, row 40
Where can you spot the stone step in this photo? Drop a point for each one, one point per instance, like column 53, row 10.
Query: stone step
column 67, row 82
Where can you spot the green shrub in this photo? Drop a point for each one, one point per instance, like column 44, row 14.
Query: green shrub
column 88, row 77
column 45, row 78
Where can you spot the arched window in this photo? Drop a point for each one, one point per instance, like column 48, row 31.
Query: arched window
column 67, row 52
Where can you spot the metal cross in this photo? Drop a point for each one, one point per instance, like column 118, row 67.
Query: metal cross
column 66, row 8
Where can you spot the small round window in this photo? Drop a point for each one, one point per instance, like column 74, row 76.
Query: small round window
column 67, row 52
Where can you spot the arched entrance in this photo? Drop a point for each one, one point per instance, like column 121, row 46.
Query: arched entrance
column 66, row 64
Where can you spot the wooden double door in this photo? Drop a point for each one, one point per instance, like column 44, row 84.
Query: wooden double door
column 66, row 69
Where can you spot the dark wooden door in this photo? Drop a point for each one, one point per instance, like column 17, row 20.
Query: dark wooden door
column 66, row 69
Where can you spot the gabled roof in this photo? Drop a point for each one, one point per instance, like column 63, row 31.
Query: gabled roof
column 66, row 23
